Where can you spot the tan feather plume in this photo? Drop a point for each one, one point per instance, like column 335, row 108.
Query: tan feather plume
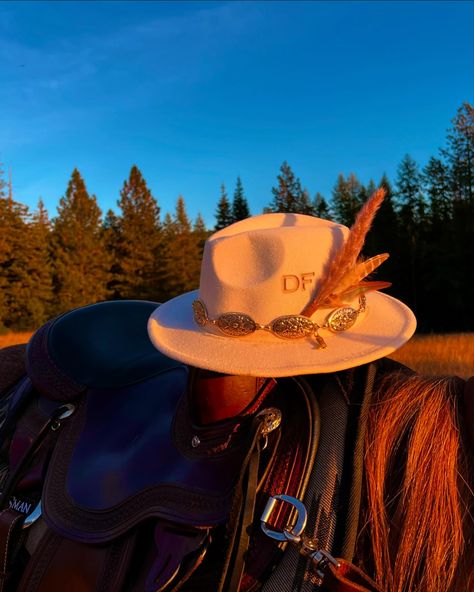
column 361, row 270
column 344, row 266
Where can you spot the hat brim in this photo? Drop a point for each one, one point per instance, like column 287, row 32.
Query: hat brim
column 385, row 326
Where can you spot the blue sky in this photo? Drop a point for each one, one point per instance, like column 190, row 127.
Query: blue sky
column 197, row 93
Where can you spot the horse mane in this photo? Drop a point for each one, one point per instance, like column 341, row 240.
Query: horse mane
column 419, row 521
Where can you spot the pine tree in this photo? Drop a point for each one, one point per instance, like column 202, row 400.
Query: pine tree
column 384, row 237
column 321, row 207
column 138, row 240
column 372, row 187
column 306, row 206
column 111, row 234
column 80, row 260
column 5, row 251
column 240, row 207
column 224, row 211
column 32, row 304
column 181, row 257
column 288, row 195
column 13, row 256
column 459, row 156
column 409, row 192
column 385, row 228
column 437, row 183
column 41, row 265
column 438, row 280
column 363, row 194
column 181, row 218
column 201, row 233
column 345, row 199
column 411, row 211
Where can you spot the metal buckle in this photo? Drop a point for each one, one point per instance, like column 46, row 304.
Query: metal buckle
column 294, row 534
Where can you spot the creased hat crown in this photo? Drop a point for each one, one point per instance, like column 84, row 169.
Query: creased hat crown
column 267, row 266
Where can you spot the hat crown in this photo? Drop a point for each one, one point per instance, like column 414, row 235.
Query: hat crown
column 267, row 266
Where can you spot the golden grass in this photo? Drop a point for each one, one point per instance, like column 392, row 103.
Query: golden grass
column 14, row 338
column 436, row 355
column 427, row 354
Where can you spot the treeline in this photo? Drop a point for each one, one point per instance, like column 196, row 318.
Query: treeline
column 426, row 223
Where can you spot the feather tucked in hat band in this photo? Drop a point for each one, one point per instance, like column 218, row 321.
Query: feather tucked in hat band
column 343, row 279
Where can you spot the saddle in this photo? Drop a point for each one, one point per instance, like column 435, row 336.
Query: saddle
column 103, row 440
column 124, row 470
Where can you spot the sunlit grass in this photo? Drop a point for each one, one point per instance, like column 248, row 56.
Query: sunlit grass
column 14, row 338
column 427, row 354
column 439, row 354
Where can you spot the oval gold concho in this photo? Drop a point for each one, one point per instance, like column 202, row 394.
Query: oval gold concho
column 200, row 313
column 292, row 327
column 342, row 319
column 236, row 324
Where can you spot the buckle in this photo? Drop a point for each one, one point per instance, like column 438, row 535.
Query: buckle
column 294, row 534
column 289, row 533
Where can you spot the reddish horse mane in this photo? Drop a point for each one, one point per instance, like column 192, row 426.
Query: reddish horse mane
column 419, row 521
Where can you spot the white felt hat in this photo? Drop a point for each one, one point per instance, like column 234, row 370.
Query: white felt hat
column 266, row 267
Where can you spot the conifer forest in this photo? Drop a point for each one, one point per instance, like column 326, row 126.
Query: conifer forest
column 83, row 255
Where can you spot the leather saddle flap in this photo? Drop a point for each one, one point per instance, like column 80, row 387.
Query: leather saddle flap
column 127, row 454
column 130, row 451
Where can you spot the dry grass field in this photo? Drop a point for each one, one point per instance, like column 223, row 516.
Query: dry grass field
column 427, row 354
column 439, row 354
column 13, row 339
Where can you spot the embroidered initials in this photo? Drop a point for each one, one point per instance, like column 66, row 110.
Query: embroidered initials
column 291, row 283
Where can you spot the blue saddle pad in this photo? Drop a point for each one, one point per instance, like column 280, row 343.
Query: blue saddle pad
column 102, row 345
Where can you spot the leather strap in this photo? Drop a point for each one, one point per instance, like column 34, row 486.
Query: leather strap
column 348, row 578
column 242, row 512
column 10, row 523
column 249, row 498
